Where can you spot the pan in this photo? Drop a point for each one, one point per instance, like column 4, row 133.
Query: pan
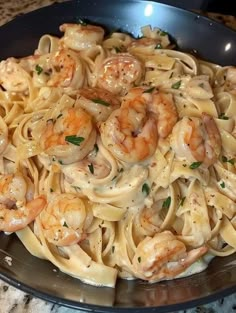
column 191, row 33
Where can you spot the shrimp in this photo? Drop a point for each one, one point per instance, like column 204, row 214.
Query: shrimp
column 97, row 102
column 131, row 132
column 197, row 139
column 80, row 37
column 70, row 137
column 231, row 78
column 163, row 257
column 65, row 69
column 144, row 42
column 65, row 219
column 17, row 206
column 119, row 73
column 164, row 109
column 13, row 78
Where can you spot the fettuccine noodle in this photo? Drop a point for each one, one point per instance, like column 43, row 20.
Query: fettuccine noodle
column 117, row 155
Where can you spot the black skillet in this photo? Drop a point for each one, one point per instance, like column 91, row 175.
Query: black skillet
column 191, row 32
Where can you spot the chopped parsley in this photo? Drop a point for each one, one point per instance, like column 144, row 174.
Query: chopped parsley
column 201, row 85
column 60, row 115
column 163, row 33
column 96, row 148
column 117, row 49
column 51, row 190
column 224, row 159
column 65, row 225
column 149, row 90
column 176, row 85
column 182, row 201
column 139, row 259
column 76, row 188
column 166, row 203
column 38, row 69
column 91, row 168
column 222, row 116
column 146, row 189
column 102, row 102
column 231, row 161
column 222, row 185
column 195, row 165
column 112, row 249
column 74, row 140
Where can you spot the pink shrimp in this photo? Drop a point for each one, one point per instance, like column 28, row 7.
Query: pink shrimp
column 18, row 208
column 131, row 132
column 197, row 139
column 163, row 257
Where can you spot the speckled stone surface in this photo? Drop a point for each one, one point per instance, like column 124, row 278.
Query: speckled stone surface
column 12, row 8
column 13, row 300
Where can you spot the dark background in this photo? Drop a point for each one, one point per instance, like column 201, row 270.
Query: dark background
column 220, row 6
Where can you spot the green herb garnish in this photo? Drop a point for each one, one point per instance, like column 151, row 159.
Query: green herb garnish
column 139, row 259
column 102, row 102
column 74, row 140
column 166, row 203
column 96, row 148
column 60, row 115
column 176, row 85
column 222, row 116
column 146, row 189
column 149, row 90
column 91, row 168
column 224, row 159
column 182, row 201
column 38, row 69
column 163, row 33
column 51, row 190
column 76, row 188
column 222, row 185
column 201, row 85
column 117, row 49
column 112, row 249
column 195, row 165
column 65, row 225
column 231, row 161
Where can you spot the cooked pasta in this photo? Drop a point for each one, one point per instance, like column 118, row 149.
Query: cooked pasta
column 117, row 155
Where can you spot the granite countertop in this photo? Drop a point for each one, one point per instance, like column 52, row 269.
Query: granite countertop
column 13, row 300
